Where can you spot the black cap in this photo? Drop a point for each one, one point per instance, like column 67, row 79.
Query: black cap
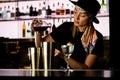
column 91, row 6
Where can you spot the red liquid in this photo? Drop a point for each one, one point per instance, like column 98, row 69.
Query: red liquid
column 41, row 28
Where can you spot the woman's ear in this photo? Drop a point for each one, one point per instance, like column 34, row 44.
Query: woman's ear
column 90, row 21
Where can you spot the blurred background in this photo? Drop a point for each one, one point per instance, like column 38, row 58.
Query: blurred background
column 16, row 35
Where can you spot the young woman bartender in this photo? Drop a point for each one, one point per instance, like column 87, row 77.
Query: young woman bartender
column 88, row 42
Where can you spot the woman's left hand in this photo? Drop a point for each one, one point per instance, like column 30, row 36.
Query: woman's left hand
column 59, row 53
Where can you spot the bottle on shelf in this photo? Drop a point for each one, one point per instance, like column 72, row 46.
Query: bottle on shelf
column 103, row 9
column 43, row 10
column 53, row 10
column 27, row 10
column 28, row 31
column 72, row 10
column 35, row 13
column 107, row 3
column 39, row 9
column 12, row 12
column 17, row 13
column 8, row 12
column 67, row 10
column 58, row 9
column 24, row 29
column 23, row 11
column 31, row 11
column 62, row 10
column 4, row 13
column 53, row 27
column 49, row 11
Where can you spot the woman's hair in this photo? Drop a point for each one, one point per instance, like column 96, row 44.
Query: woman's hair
column 74, row 30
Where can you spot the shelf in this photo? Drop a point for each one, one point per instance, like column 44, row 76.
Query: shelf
column 41, row 17
column 106, row 38
column 16, row 22
column 103, row 15
column 5, row 1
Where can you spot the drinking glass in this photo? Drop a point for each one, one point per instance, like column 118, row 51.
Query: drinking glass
column 40, row 27
column 67, row 50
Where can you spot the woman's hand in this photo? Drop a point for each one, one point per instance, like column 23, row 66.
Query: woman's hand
column 59, row 53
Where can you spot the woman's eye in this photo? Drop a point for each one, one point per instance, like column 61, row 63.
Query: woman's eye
column 75, row 12
column 82, row 15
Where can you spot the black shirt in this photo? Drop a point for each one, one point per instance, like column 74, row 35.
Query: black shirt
column 63, row 35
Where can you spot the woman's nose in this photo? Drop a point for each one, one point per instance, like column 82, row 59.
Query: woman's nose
column 77, row 16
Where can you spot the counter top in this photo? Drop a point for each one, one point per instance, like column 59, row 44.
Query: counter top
column 59, row 73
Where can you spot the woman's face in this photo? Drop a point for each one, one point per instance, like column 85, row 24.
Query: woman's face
column 81, row 18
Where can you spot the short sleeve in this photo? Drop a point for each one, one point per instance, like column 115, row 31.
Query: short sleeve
column 62, row 33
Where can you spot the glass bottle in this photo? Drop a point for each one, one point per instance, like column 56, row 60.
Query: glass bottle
column 53, row 10
column 67, row 9
column 35, row 13
column 58, row 9
column 4, row 13
column 23, row 29
column 49, row 10
column 8, row 12
column 62, row 10
column 12, row 12
column 31, row 11
column 28, row 32
column 103, row 9
column 27, row 10
column 53, row 27
column 17, row 12
column 44, row 10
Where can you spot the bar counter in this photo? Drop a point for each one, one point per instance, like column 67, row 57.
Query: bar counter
column 59, row 73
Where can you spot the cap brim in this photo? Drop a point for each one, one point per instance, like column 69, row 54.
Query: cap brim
column 75, row 3
column 96, row 20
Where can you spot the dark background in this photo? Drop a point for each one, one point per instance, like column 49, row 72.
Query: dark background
column 114, row 34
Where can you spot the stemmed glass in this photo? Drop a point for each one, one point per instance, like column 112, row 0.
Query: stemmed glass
column 40, row 26
column 67, row 49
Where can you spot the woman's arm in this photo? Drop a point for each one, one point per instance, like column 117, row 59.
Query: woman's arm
column 89, row 62
column 48, row 38
column 38, row 39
